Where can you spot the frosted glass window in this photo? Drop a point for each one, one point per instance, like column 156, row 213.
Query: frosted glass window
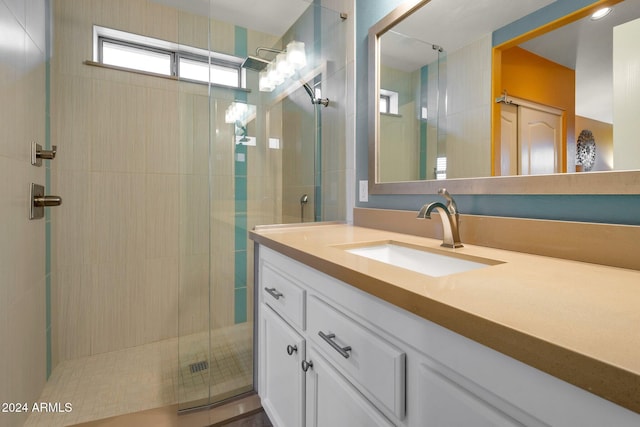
column 441, row 168
column 137, row 58
column 199, row 71
column 384, row 104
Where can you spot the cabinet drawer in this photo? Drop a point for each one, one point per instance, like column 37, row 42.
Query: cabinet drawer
column 374, row 365
column 284, row 296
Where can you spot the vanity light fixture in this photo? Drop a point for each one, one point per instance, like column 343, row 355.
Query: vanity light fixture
column 286, row 63
column 601, row 13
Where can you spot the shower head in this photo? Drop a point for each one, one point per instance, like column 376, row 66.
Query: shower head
column 255, row 63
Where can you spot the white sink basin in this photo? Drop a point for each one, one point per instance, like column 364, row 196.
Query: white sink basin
column 421, row 260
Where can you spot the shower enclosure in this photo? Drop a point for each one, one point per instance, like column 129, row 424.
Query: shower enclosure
column 162, row 177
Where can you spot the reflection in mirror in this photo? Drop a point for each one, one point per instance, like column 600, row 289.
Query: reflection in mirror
column 409, row 78
column 579, row 69
column 470, row 131
column 459, row 144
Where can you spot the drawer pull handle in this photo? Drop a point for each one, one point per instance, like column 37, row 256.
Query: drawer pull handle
column 292, row 349
column 329, row 338
column 306, row 365
column 274, row 293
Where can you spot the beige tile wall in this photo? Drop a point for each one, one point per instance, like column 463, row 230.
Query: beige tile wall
column 400, row 135
column 22, row 242
column 468, row 129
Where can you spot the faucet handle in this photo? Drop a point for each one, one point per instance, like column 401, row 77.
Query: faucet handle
column 451, row 204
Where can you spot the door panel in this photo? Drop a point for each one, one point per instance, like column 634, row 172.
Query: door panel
column 540, row 140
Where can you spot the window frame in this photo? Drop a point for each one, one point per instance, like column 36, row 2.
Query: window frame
column 391, row 97
column 175, row 51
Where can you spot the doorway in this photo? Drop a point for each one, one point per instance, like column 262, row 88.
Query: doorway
column 531, row 138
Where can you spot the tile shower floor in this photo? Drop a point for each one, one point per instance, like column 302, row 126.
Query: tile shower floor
column 149, row 376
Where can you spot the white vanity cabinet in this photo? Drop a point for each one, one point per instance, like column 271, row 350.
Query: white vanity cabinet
column 308, row 376
column 370, row 363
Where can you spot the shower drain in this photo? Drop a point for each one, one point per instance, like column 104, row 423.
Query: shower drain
column 199, row 366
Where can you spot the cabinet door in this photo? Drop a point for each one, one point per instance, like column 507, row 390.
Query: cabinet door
column 332, row 401
column 445, row 403
column 282, row 381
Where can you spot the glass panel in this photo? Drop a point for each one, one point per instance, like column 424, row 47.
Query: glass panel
column 266, row 164
column 127, row 56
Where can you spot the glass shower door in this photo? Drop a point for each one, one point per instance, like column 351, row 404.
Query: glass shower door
column 248, row 158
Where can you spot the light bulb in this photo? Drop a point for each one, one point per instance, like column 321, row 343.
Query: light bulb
column 283, row 66
column 264, row 83
column 296, row 55
column 601, row 13
column 274, row 75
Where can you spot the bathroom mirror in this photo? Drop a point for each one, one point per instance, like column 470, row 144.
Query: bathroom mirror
column 465, row 131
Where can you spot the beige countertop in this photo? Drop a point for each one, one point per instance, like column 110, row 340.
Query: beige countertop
column 577, row 321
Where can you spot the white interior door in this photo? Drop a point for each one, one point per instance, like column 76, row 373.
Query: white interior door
column 540, row 141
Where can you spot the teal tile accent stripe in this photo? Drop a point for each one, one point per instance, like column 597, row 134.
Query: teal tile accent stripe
column 424, row 99
column 241, row 161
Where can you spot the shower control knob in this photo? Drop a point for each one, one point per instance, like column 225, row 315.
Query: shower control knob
column 45, row 201
column 39, row 201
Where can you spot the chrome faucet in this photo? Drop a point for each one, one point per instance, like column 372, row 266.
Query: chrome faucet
column 448, row 215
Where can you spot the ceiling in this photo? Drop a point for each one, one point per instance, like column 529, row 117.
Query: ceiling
column 273, row 17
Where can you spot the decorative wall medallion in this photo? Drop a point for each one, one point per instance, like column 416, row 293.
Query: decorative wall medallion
column 586, row 150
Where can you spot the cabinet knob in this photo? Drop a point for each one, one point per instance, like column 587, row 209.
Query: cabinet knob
column 306, row 365
column 292, row 349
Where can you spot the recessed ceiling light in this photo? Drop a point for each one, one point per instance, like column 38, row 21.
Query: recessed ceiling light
column 601, row 13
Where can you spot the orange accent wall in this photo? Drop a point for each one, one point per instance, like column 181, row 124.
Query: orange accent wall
column 529, row 76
